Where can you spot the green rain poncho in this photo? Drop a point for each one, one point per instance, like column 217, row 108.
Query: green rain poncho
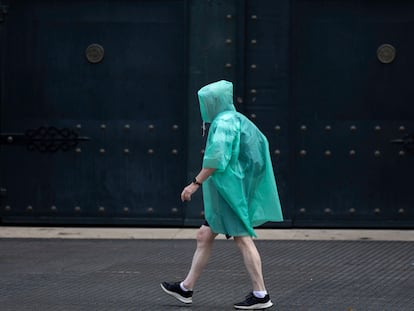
column 242, row 192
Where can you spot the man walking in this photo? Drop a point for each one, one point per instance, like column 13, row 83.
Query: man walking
column 239, row 191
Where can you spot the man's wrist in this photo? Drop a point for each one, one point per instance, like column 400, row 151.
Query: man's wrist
column 195, row 181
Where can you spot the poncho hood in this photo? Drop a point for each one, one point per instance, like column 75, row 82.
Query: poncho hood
column 215, row 98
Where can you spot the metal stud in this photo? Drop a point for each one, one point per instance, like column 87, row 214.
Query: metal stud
column 277, row 152
column 202, row 151
column 352, row 152
column 401, row 128
column 401, row 211
column 150, row 151
column 353, row 128
column 377, row 211
column 253, row 116
column 77, row 209
column 253, row 66
column 352, row 210
column 377, row 128
column 229, row 16
column 151, row 127
column 102, row 150
column 328, row 153
column 277, row 128
column 401, row 153
column 103, row 126
column 150, row 210
column 229, row 41
column 29, row 208
column 302, row 210
column 78, row 150
column 10, row 139
column 327, row 210
column 126, row 209
column 174, row 151
column 377, row 153
column 7, row 208
column 175, row 127
column 253, row 41
column 174, row 210
column 254, row 16
column 101, row 209
column 253, row 91
column 303, row 128
column 227, row 65
column 127, row 126
column 202, row 213
column 328, row 128
column 78, row 126
column 53, row 208
column 302, row 152
column 126, row 151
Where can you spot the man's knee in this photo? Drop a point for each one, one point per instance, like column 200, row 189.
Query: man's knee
column 205, row 235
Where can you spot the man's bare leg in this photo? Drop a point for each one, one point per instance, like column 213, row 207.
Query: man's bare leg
column 252, row 261
column 205, row 239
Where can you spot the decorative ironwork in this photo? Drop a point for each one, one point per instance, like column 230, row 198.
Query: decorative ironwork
column 44, row 139
column 95, row 53
column 407, row 142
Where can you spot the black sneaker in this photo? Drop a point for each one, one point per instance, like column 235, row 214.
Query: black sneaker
column 175, row 290
column 253, row 303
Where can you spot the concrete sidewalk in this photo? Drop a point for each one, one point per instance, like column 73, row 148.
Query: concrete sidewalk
column 174, row 233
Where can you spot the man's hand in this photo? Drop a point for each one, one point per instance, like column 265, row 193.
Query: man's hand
column 188, row 192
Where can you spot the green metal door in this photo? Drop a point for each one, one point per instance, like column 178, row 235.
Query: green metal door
column 110, row 71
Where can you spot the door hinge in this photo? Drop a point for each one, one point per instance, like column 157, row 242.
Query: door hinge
column 3, row 12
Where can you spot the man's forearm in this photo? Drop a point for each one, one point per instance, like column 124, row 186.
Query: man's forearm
column 204, row 174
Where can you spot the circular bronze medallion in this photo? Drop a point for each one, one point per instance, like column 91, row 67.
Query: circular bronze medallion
column 386, row 53
column 94, row 53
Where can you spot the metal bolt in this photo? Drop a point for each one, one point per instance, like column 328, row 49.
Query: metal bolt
column 102, row 150
column 103, row 126
column 254, row 41
column 277, row 128
column 302, row 210
column 227, row 65
column 328, row 153
column 328, row 128
column 327, row 210
column 377, row 128
column 402, row 128
column 377, row 153
column 126, row 151
column 202, row 151
column 352, row 210
column 77, row 209
column 254, row 16
column 7, row 208
column 302, row 152
column 303, row 128
column 151, row 151
column 253, row 91
column 229, row 41
column 175, row 127
column 202, row 213
column 151, row 127
column 401, row 211
column 78, row 126
column 174, row 151
column 353, row 128
column 29, row 208
column 174, row 210
column 277, row 152
column 150, row 210
column 229, row 16
column 126, row 209
column 127, row 126
column 53, row 208
column 253, row 116
column 78, row 150
column 401, row 153
column 352, row 152
column 101, row 209
column 10, row 139
column 253, row 66
column 377, row 211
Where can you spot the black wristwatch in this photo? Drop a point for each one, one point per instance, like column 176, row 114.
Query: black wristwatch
column 195, row 181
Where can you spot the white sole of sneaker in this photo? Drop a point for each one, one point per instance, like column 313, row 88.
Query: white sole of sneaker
column 257, row 306
column 177, row 296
